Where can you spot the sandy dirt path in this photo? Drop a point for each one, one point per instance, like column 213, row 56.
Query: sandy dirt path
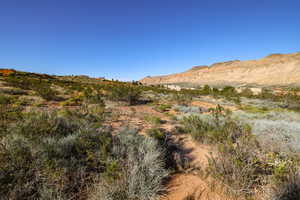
column 182, row 184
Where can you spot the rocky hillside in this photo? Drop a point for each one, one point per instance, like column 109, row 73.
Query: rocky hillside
column 273, row 70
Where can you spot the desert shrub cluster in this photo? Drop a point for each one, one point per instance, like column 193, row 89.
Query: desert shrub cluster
column 45, row 155
column 77, row 89
column 216, row 127
column 243, row 163
column 153, row 120
column 163, row 107
column 228, row 92
column 68, row 155
column 277, row 130
column 142, row 169
column 126, row 93
column 87, row 96
column 182, row 98
column 288, row 99
column 186, row 109
column 40, row 86
column 8, row 113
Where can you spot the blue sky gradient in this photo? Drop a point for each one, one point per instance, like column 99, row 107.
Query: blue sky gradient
column 130, row 39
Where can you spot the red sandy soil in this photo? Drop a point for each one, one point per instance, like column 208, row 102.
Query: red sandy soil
column 184, row 184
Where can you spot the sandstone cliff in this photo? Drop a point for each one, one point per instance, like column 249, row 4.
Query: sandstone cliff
column 273, row 70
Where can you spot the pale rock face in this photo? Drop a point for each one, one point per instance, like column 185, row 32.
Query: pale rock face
column 273, row 70
column 173, row 87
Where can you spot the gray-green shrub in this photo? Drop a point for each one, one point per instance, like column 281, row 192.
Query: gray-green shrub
column 46, row 154
column 217, row 127
column 143, row 169
column 126, row 93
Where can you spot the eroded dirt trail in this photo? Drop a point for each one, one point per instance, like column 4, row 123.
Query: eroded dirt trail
column 184, row 184
column 181, row 184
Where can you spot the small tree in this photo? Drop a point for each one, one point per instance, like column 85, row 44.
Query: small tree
column 126, row 93
column 45, row 91
column 206, row 89
column 247, row 92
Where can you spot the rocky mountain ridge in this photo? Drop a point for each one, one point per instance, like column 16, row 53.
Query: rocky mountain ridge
column 272, row 70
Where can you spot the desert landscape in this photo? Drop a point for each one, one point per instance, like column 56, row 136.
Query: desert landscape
column 76, row 137
column 149, row 100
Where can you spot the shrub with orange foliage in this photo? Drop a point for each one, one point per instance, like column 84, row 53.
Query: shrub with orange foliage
column 7, row 72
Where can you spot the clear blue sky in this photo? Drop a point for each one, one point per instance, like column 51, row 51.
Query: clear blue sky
column 130, row 39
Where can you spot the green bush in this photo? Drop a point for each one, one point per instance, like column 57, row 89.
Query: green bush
column 94, row 115
column 153, row 119
column 73, row 101
column 214, row 128
column 163, row 107
column 5, row 100
column 157, row 134
column 93, row 97
column 206, row 90
column 228, row 91
column 181, row 98
column 126, row 93
column 253, row 109
column 37, row 125
column 45, row 91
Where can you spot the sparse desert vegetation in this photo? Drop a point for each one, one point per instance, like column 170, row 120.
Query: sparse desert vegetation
column 76, row 137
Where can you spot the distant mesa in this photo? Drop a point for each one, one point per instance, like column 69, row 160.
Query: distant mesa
column 273, row 70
